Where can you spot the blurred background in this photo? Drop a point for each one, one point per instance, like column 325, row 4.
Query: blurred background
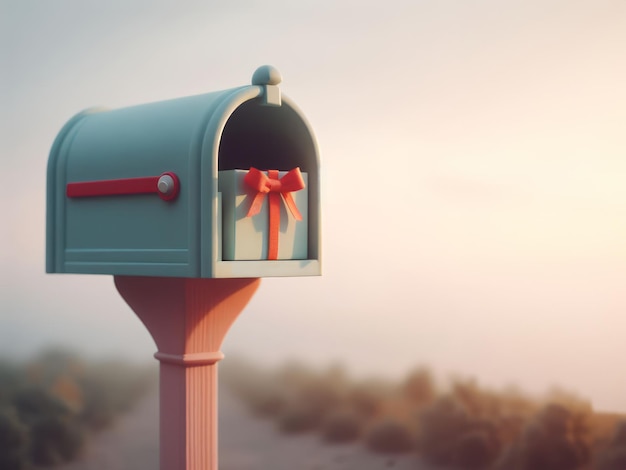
column 473, row 178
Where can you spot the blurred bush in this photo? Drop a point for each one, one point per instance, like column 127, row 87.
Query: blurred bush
column 619, row 437
column 450, row 435
column 298, row 417
column 463, row 426
column 265, row 398
column 613, row 457
column 49, row 404
column 475, row 449
column 341, row 426
column 550, row 441
column 14, row 441
column 389, row 436
column 111, row 388
column 368, row 398
column 419, row 387
column 55, row 439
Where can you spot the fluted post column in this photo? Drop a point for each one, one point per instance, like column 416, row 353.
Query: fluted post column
column 188, row 319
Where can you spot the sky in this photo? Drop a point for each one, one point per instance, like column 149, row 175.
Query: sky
column 472, row 177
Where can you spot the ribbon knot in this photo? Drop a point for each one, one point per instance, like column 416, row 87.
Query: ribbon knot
column 275, row 187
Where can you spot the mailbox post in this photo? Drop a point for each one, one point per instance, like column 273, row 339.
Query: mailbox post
column 187, row 203
column 188, row 319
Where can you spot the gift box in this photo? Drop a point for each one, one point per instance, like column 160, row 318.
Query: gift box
column 249, row 231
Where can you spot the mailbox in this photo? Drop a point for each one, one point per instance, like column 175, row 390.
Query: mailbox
column 219, row 185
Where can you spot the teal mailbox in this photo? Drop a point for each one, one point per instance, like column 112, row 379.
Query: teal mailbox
column 219, row 185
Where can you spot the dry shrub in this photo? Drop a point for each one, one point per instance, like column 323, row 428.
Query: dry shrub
column 55, row 399
column 55, row 435
column 483, row 403
column 367, row 398
column 322, row 392
column 475, row 449
column 337, row 375
column 473, row 399
column 110, row 388
column 439, row 427
column 547, row 443
column 240, row 375
column 467, row 429
column 614, row 457
column 298, row 417
column 449, row 435
column 619, row 436
column 320, row 396
column 55, row 440
column 510, row 427
column 34, row 401
column 294, row 375
column 297, row 396
column 266, row 400
column 311, row 402
column 14, row 440
column 342, row 426
column 419, row 387
column 568, row 399
column 389, row 436
column 264, row 395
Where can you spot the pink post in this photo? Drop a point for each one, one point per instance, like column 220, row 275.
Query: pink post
column 188, row 319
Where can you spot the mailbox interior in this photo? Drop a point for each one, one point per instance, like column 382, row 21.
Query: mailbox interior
column 271, row 137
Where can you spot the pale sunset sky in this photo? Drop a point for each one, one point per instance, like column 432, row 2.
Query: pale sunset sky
column 473, row 160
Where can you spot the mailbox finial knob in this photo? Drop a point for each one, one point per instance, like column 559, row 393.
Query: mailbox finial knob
column 266, row 75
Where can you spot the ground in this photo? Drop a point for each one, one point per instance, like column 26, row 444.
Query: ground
column 246, row 443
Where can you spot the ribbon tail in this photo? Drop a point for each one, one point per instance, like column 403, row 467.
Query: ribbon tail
column 274, row 226
column 291, row 204
column 256, row 205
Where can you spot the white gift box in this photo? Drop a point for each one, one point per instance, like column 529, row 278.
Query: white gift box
column 246, row 238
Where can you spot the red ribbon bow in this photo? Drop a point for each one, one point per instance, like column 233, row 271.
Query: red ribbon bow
column 274, row 187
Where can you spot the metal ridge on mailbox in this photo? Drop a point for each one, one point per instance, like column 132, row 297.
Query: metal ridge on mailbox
column 219, row 185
